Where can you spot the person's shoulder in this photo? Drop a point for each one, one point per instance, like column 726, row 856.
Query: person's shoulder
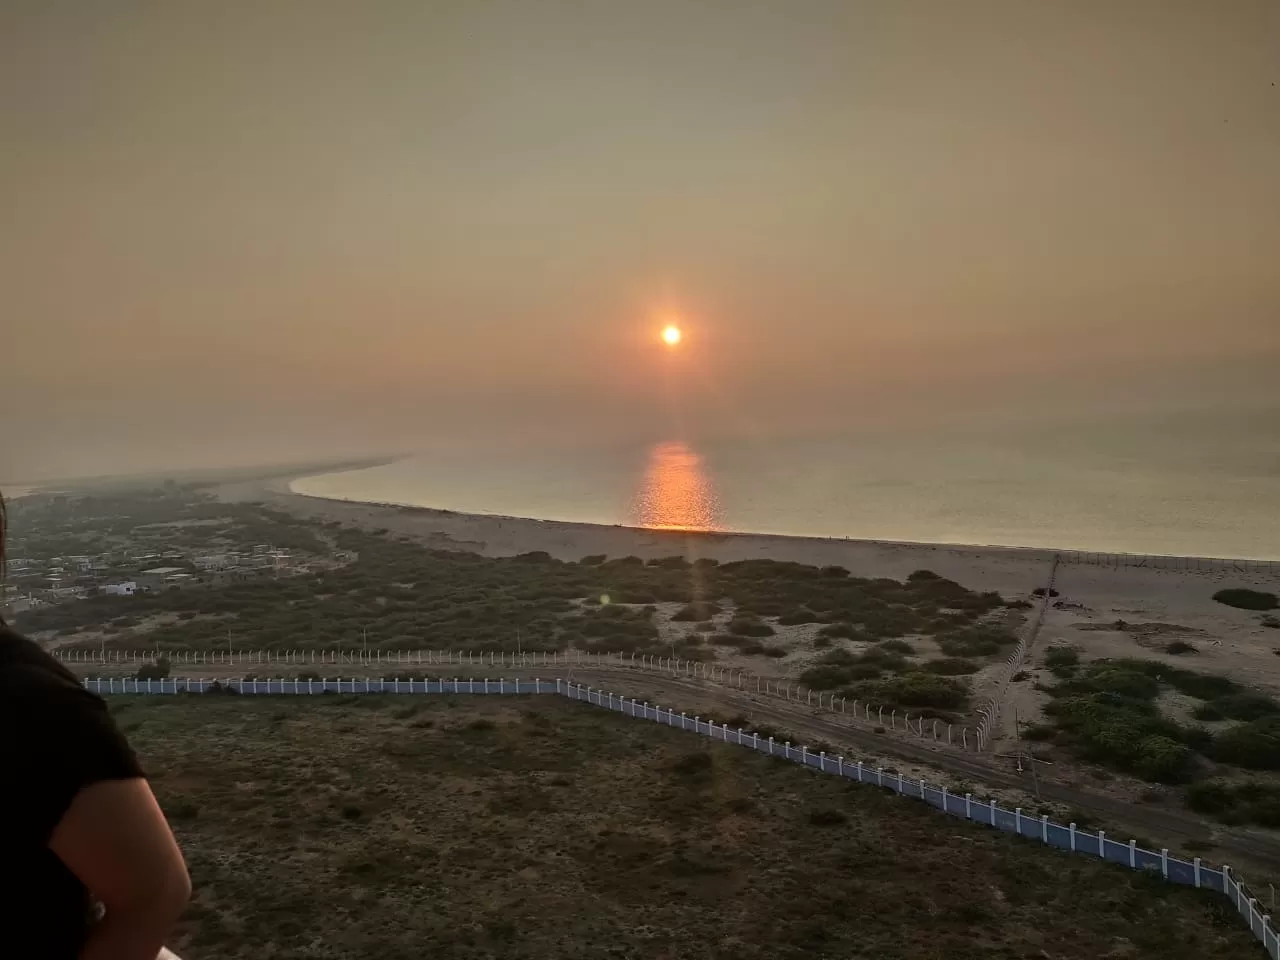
column 29, row 673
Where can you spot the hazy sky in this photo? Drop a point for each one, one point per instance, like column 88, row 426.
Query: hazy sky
column 235, row 231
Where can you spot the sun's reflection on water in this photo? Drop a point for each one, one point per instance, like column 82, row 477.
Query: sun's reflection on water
column 676, row 492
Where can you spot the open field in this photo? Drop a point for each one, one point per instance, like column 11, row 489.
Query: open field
column 368, row 826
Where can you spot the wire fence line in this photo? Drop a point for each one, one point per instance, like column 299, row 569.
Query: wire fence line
column 1157, row 562
column 989, row 712
column 1070, row 838
column 890, row 718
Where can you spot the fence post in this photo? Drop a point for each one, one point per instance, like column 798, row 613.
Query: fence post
column 944, row 799
column 840, row 766
column 683, row 719
column 1044, row 828
column 804, row 755
column 1071, row 828
column 1017, row 820
column 1133, row 854
column 786, row 749
column 755, row 740
column 968, row 806
column 899, row 781
column 771, row 754
column 991, row 801
column 858, row 771
column 822, row 760
column 1195, row 868
column 1102, row 844
column 880, row 776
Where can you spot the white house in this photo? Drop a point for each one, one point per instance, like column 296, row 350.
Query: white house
column 127, row 589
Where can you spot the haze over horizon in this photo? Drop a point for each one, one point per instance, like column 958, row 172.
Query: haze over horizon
column 252, row 232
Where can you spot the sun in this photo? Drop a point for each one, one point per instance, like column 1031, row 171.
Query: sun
column 671, row 335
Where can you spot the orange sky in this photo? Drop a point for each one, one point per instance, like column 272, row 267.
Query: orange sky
column 313, row 228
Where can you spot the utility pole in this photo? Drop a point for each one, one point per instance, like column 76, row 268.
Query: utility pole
column 1031, row 760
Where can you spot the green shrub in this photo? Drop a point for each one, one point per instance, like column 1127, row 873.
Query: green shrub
column 975, row 642
column 1061, row 656
column 896, row 646
column 1271, row 622
column 1254, row 745
column 951, row 666
column 159, row 670
column 699, row 612
column 1124, row 732
column 1244, row 706
column 750, row 627
column 1177, row 647
column 1118, row 678
column 1163, row 760
column 797, row 617
column 1248, row 802
column 845, row 630
column 913, row 690
column 1210, row 796
column 1244, row 599
column 1208, row 712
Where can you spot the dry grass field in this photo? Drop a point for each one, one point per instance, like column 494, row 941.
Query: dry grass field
column 382, row 827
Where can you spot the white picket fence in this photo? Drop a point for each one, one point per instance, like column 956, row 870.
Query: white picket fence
column 889, row 718
column 1070, row 838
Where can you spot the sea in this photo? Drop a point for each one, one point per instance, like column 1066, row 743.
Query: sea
column 1184, row 484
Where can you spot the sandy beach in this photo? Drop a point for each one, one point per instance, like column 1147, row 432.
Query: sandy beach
column 1106, row 611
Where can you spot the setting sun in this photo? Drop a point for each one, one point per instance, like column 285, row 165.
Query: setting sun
column 671, row 335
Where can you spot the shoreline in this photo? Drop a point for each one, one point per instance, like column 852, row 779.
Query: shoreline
column 1009, row 570
column 283, row 485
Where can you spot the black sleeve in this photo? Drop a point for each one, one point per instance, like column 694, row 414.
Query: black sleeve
column 61, row 739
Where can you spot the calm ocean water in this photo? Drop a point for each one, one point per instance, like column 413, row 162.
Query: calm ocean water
column 1190, row 485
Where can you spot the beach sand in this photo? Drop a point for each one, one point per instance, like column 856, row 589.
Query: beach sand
column 1156, row 605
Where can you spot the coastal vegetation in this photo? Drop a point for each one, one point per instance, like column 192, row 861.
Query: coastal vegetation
column 1107, row 712
column 1244, row 599
column 396, row 594
column 479, row 827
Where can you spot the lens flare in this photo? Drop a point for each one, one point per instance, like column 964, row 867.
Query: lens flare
column 671, row 335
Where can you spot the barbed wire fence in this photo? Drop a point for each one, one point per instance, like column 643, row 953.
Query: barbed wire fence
column 886, row 718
